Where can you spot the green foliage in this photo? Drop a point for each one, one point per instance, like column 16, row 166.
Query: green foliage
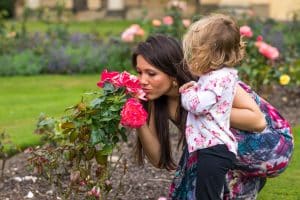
column 91, row 130
column 8, row 6
column 260, row 72
column 22, row 99
column 7, row 148
column 176, row 29
column 23, row 63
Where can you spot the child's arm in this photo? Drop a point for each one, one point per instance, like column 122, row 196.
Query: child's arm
column 194, row 101
column 245, row 114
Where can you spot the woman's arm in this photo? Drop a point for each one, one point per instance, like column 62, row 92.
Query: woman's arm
column 245, row 114
column 148, row 137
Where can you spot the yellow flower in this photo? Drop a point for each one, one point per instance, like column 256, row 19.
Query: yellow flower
column 284, row 79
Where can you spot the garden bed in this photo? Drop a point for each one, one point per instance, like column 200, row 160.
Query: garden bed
column 139, row 182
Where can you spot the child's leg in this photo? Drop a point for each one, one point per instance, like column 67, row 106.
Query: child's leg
column 213, row 164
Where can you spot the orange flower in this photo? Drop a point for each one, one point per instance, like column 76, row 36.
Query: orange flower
column 156, row 22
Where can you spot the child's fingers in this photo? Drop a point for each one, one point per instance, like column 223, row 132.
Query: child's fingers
column 186, row 86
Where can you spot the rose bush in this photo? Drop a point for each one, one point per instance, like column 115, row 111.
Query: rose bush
column 80, row 143
column 264, row 64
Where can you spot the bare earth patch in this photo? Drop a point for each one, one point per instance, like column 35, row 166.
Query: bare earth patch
column 140, row 182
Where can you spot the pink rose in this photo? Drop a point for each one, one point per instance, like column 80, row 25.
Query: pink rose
column 267, row 50
column 133, row 114
column 168, row 20
column 259, row 38
column 133, row 30
column 106, row 76
column 246, row 31
column 186, row 22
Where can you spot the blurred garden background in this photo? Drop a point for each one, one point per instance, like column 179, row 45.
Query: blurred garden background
column 53, row 51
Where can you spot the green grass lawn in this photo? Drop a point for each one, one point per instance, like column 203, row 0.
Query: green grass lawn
column 101, row 27
column 22, row 99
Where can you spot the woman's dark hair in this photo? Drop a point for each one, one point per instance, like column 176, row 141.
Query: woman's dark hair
column 165, row 53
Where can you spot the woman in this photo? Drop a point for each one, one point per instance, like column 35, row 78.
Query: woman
column 158, row 62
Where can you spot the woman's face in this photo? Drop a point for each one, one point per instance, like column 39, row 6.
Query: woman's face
column 154, row 82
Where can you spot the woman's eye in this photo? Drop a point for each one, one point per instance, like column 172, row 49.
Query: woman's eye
column 151, row 74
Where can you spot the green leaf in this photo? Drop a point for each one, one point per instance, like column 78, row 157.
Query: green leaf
column 100, row 158
column 73, row 136
column 123, row 134
column 107, row 149
column 97, row 102
column 97, row 136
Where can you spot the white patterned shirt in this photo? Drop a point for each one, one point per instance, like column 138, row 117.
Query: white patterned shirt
column 209, row 104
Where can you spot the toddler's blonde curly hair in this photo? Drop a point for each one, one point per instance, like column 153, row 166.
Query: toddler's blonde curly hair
column 212, row 42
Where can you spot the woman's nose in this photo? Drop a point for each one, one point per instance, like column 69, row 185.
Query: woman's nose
column 143, row 80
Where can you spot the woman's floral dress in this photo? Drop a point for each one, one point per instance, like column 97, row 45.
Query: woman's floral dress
column 260, row 155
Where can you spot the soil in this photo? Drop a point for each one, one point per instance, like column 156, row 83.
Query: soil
column 140, row 182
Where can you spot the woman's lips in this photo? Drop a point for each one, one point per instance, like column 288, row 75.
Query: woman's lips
column 146, row 90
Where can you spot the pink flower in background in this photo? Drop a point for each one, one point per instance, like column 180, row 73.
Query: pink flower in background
column 246, row 31
column 156, row 22
column 133, row 114
column 181, row 5
column 127, row 37
column 168, row 20
column 186, row 22
column 133, row 30
column 259, row 38
column 267, row 50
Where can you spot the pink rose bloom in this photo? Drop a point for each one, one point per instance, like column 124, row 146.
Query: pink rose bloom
column 186, row 22
column 106, row 76
column 156, row 22
column 132, row 85
column 127, row 37
column 133, row 30
column 246, row 31
column 168, row 20
column 181, row 5
column 133, row 115
column 259, row 38
column 124, row 79
column 266, row 50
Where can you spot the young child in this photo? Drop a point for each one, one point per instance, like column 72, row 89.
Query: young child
column 212, row 47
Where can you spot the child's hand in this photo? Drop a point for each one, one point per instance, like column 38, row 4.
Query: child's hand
column 186, row 86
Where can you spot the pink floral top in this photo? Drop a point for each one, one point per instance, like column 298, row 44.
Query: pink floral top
column 209, row 104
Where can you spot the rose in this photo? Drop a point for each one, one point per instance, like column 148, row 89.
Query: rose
column 133, row 114
column 156, row 22
column 284, row 79
column 108, row 77
column 133, row 30
column 168, row 20
column 128, row 81
column 246, row 31
column 186, row 23
column 267, row 50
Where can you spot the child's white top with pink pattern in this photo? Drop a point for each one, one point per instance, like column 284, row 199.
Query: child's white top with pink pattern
column 209, row 104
